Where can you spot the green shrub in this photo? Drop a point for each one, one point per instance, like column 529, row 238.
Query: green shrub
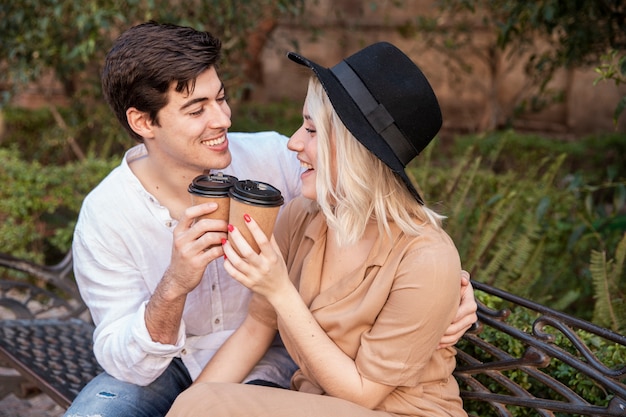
column 284, row 117
column 56, row 135
column 596, row 157
column 528, row 230
column 39, row 204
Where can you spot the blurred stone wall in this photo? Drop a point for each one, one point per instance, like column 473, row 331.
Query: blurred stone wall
column 469, row 101
column 332, row 29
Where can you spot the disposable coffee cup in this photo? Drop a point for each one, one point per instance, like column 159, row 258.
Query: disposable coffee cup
column 261, row 201
column 212, row 188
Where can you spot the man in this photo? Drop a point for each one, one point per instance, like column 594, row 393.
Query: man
column 151, row 274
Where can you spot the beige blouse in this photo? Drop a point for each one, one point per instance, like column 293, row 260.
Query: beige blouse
column 388, row 316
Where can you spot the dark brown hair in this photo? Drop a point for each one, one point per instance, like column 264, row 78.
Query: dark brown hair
column 146, row 59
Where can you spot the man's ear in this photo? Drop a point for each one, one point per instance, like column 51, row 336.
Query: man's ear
column 140, row 122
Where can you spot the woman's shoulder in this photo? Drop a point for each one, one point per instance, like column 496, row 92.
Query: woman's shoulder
column 430, row 240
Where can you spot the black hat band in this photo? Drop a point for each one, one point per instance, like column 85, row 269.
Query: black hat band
column 375, row 113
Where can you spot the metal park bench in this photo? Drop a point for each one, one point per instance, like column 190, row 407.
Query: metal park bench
column 546, row 363
column 550, row 365
column 46, row 332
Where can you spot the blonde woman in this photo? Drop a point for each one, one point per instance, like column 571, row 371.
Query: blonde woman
column 360, row 279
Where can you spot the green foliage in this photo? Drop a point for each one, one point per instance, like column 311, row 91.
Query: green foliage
column 284, row 117
column 613, row 67
column 592, row 158
column 37, row 134
column 521, row 215
column 58, row 35
column 39, row 204
column 69, row 40
column 609, row 282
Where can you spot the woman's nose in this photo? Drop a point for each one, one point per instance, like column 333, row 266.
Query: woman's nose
column 295, row 141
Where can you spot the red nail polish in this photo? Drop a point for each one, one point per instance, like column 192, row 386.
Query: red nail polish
column 231, row 227
column 247, row 218
column 223, row 241
column 225, row 257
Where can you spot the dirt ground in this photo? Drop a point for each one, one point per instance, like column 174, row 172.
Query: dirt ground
column 38, row 406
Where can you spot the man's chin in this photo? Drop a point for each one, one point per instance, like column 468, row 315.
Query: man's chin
column 223, row 162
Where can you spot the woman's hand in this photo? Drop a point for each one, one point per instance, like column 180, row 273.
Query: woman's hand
column 264, row 273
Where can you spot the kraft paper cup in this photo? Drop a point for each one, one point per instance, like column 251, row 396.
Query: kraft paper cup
column 261, row 201
column 212, row 188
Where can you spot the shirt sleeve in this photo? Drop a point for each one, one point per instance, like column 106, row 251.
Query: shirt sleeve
column 422, row 301
column 116, row 294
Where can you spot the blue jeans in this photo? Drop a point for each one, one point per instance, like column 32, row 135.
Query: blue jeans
column 106, row 396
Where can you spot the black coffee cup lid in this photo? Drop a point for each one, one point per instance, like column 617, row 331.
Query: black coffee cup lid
column 256, row 193
column 213, row 185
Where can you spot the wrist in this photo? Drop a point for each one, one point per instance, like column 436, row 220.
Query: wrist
column 282, row 298
column 169, row 288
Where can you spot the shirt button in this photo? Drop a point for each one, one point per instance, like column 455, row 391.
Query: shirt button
column 213, row 287
column 184, row 351
column 217, row 321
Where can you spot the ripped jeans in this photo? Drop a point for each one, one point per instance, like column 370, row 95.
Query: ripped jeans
column 106, row 396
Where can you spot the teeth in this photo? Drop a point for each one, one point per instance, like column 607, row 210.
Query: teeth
column 305, row 165
column 214, row 142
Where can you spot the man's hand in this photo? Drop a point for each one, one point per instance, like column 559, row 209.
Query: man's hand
column 196, row 243
column 465, row 315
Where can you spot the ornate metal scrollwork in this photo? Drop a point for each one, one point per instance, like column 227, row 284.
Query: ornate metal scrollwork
column 544, row 376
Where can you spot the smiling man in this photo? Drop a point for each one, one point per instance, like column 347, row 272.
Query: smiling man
column 152, row 276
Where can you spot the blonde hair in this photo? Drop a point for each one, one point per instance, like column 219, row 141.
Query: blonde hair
column 364, row 188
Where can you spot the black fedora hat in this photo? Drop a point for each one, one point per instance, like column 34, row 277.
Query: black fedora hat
column 385, row 101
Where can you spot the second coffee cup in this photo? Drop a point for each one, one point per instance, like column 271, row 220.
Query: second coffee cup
column 213, row 188
column 261, row 201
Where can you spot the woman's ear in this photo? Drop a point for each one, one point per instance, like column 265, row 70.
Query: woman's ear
column 140, row 122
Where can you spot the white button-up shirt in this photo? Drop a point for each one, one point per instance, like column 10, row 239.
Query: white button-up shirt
column 122, row 246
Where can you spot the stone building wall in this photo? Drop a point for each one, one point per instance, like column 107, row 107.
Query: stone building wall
column 332, row 29
column 344, row 26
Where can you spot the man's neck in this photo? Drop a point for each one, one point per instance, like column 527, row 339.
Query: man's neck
column 167, row 183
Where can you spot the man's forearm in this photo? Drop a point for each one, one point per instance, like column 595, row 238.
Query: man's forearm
column 164, row 311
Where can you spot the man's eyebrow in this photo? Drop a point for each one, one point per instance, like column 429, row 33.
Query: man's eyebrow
column 199, row 99
column 192, row 102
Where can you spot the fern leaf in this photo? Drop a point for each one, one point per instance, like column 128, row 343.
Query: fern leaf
column 499, row 216
column 610, row 298
column 603, row 311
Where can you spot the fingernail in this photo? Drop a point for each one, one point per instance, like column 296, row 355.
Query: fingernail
column 225, row 257
column 223, row 241
column 231, row 227
column 247, row 218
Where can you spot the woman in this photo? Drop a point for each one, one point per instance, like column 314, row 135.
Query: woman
column 360, row 279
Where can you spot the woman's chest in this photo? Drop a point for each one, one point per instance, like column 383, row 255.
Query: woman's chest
column 344, row 262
